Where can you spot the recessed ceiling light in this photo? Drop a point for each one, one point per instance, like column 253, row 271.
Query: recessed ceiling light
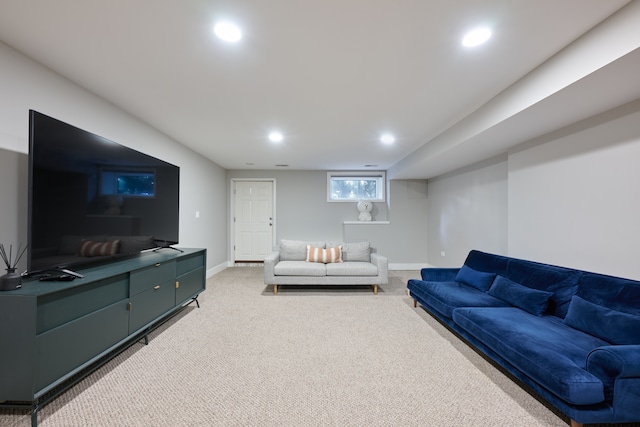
column 387, row 138
column 227, row 31
column 476, row 37
column 276, row 136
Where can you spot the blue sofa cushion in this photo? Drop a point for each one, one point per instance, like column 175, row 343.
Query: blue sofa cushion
column 612, row 326
column 439, row 274
column 542, row 347
column 530, row 300
column 563, row 282
column 444, row 297
column 483, row 261
column 612, row 292
column 478, row 279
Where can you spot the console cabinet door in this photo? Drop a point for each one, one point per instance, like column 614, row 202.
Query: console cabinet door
column 191, row 276
column 146, row 278
column 189, row 285
column 151, row 304
column 63, row 349
column 62, row 307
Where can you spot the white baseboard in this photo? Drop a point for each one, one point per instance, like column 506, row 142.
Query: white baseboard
column 408, row 266
column 217, row 269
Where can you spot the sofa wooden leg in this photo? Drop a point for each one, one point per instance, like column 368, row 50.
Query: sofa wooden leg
column 415, row 303
column 575, row 424
column 375, row 289
column 275, row 289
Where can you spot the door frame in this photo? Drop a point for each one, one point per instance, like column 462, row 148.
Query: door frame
column 232, row 214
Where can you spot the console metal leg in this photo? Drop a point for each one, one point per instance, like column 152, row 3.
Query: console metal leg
column 34, row 415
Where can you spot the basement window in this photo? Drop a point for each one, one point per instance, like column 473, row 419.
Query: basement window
column 355, row 186
column 128, row 183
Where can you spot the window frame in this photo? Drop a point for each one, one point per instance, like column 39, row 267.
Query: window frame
column 115, row 173
column 378, row 175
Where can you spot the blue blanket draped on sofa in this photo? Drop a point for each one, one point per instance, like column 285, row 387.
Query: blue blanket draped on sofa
column 572, row 336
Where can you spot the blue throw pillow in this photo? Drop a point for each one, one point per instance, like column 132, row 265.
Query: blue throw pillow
column 612, row 326
column 478, row 279
column 531, row 300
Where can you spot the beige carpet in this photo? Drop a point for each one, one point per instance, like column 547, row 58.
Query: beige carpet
column 306, row 357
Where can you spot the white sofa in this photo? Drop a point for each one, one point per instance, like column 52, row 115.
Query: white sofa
column 359, row 264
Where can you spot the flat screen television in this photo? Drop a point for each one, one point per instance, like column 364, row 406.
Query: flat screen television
column 93, row 200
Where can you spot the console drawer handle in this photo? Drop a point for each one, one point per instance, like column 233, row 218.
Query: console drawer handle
column 156, row 287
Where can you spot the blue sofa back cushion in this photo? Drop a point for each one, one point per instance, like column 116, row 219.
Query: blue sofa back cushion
column 613, row 326
column 477, row 279
column 612, row 292
column 490, row 263
column 563, row 282
column 531, row 300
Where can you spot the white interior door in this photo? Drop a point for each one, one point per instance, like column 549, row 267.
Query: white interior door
column 253, row 220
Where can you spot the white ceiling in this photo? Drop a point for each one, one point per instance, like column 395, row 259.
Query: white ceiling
column 332, row 75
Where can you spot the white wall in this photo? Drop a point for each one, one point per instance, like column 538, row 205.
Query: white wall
column 467, row 209
column 303, row 213
column 13, row 208
column 302, row 210
column 569, row 198
column 404, row 239
column 574, row 197
column 24, row 85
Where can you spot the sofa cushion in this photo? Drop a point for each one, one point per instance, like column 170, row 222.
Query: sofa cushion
column 531, row 300
column 563, row 282
column 542, row 347
column 325, row 256
column 478, row 279
column 89, row 248
column 483, row 261
column 447, row 296
column 352, row 268
column 360, row 251
column 613, row 326
column 296, row 250
column 612, row 292
column 299, row 268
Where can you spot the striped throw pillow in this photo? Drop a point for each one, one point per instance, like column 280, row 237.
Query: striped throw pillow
column 324, row 255
column 89, row 248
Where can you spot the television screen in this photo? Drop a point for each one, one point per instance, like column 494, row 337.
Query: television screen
column 91, row 199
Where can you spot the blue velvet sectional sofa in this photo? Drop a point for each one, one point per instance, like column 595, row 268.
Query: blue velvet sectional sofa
column 572, row 336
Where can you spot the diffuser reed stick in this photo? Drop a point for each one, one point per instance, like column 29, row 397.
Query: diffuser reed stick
column 12, row 264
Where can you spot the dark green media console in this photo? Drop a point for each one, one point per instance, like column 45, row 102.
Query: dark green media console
column 52, row 332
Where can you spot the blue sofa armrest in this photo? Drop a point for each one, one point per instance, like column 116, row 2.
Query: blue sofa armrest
column 618, row 367
column 615, row 361
column 439, row 274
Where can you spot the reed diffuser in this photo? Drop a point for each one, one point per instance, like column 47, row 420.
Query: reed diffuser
column 11, row 280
